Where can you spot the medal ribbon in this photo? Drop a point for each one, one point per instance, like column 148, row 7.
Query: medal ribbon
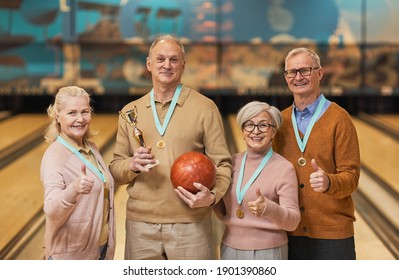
column 162, row 128
column 302, row 144
column 240, row 193
column 82, row 158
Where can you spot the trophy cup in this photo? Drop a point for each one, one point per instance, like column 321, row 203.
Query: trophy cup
column 131, row 118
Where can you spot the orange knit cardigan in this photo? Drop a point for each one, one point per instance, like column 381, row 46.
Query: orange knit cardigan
column 333, row 143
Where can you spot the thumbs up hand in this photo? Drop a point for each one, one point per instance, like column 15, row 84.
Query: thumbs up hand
column 257, row 206
column 319, row 180
column 84, row 183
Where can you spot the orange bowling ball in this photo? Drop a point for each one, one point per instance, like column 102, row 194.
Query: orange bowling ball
column 193, row 167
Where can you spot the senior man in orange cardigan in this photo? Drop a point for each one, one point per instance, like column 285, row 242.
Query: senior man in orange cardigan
column 319, row 138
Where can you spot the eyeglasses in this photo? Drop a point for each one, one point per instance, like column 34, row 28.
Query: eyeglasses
column 305, row 71
column 262, row 127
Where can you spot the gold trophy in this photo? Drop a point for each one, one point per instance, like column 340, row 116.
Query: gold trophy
column 131, row 118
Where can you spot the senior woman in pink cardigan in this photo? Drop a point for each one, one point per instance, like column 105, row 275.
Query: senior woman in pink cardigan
column 78, row 188
column 262, row 201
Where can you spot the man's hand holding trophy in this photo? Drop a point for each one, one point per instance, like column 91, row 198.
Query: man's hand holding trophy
column 131, row 117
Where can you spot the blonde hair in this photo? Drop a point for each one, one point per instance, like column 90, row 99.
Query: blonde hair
column 63, row 94
column 254, row 108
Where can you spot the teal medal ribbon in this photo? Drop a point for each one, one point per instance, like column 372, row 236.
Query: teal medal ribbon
column 82, row 158
column 302, row 144
column 240, row 193
column 162, row 128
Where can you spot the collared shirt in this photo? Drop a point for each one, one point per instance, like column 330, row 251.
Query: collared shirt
column 303, row 117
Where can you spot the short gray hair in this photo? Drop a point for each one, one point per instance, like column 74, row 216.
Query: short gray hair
column 168, row 37
column 254, row 108
column 311, row 53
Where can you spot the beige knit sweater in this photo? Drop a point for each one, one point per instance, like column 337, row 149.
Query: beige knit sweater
column 196, row 125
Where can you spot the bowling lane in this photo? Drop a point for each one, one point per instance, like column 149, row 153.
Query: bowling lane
column 18, row 134
column 391, row 120
column 20, row 127
column 379, row 153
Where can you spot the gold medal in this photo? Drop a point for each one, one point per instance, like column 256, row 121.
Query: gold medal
column 302, row 161
column 161, row 144
column 239, row 213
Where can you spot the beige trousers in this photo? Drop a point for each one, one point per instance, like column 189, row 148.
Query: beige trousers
column 146, row 241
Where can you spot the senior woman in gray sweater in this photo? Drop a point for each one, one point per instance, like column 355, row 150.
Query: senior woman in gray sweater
column 262, row 201
column 78, row 188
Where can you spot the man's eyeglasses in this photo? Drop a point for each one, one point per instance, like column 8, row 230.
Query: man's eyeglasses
column 262, row 127
column 305, row 71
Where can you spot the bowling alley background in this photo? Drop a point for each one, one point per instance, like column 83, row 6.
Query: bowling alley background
column 234, row 48
column 235, row 52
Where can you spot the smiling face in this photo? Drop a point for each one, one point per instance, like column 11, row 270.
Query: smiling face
column 256, row 140
column 74, row 118
column 303, row 86
column 166, row 63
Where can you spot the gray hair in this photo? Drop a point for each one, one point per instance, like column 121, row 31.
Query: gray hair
column 168, row 37
column 63, row 94
column 313, row 55
column 254, row 108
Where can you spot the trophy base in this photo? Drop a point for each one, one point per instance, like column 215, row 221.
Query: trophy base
column 151, row 165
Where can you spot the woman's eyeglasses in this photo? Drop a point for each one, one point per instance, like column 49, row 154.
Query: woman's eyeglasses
column 262, row 127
